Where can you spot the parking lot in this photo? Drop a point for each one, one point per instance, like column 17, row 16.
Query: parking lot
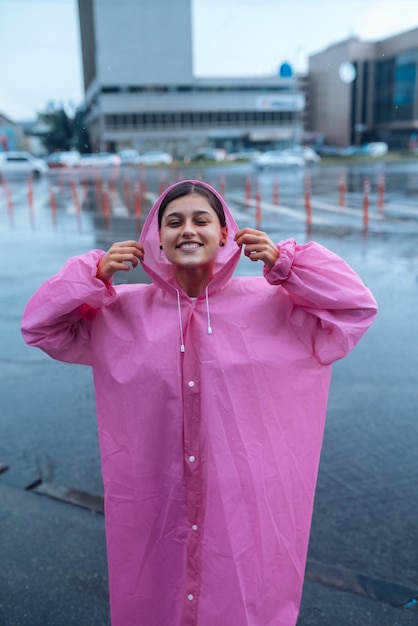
column 364, row 531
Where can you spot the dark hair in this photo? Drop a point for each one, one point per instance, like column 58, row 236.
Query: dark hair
column 186, row 188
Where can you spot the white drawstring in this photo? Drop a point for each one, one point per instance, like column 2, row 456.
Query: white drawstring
column 180, row 322
column 208, row 312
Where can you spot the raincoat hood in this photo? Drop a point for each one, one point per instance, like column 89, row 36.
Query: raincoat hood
column 161, row 270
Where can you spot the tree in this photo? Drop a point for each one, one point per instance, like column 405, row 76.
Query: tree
column 60, row 135
column 81, row 138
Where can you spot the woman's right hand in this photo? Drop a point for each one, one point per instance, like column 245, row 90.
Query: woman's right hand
column 117, row 259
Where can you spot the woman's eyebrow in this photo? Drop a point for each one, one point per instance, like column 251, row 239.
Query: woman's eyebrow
column 179, row 214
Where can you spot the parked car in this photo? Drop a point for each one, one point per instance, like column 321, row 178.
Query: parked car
column 329, row 151
column 308, row 154
column 278, row 158
column 15, row 163
column 63, row 159
column 207, row 154
column 128, row 156
column 353, row 151
column 246, row 154
column 376, row 148
column 99, row 159
column 154, row 157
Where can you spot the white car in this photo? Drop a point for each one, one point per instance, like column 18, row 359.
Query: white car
column 154, row 157
column 278, row 158
column 99, row 159
column 63, row 159
column 207, row 154
column 308, row 154
column 246, row 154
column 376, row 148
column 128, row 156
column 15, row 163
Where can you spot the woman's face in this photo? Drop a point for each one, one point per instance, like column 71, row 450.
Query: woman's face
column 190, row 232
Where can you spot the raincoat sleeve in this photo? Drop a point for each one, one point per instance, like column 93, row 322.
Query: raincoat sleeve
column 331, row 305
column 58, row 317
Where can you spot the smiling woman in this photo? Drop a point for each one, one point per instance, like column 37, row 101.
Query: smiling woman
column 192, row 227
column 190, row 236
column 211, row 394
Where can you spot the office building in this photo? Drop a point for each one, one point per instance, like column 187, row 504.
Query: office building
column 361, row 91
column 140, row 90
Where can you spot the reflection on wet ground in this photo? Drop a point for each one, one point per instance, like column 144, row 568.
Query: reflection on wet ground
column 366, row 506
column 377, row 200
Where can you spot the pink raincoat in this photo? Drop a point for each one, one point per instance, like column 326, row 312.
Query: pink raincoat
column 209, row 455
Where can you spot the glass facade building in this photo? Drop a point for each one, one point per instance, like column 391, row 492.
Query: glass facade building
column 379, row 104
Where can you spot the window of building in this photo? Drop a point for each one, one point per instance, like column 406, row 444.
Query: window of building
column 405, row 86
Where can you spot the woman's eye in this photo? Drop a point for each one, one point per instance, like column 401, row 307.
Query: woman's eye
column 201, row 222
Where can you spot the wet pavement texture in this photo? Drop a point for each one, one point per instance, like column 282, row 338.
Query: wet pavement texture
column 362, row 565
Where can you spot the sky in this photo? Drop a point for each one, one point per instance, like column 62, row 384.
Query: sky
column 41, row 58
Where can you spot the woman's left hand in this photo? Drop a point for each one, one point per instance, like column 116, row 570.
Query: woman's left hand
column 258, row 246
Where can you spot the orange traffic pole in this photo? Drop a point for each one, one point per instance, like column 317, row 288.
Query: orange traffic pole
column 105, row 203
column 161, row 182
column 76, row 200
column 143, row 180
column 366, row 203
column 137, row 197
column 30, row 201
column 342, row 190
column 9, row 200
column 127, row 190
column 258, row 206
column 247, row 191
column 222, row 185
column 97, row 192
column 381, row 192
column 53, row 204
column 276, row 190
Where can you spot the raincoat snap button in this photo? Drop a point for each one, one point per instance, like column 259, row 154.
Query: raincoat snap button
column 192, row 459
column 190, row 596
column 194, row 527
column 191, row 383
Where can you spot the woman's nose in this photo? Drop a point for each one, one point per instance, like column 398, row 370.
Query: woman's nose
column 188, row 227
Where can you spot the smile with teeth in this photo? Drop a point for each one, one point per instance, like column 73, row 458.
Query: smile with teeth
column 189, row 245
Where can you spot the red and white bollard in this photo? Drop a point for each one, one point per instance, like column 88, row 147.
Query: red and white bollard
column 53, row 204
column 137, row 199
column 161, row 182
column 127, row 189
column 276, row 190
column 76, row 200
column 258, row 206
column 366, row 204
column 143, row 181
column 9, row 200
column 222, row 185
column 342, row 187
column 248, row 191
column 30, row 201
column 381, row 192
column 106, row 203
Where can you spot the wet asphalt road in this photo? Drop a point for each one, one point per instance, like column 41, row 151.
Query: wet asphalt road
column 366, row 509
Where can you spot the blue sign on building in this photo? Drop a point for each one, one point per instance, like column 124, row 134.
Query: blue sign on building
column 285, row 70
